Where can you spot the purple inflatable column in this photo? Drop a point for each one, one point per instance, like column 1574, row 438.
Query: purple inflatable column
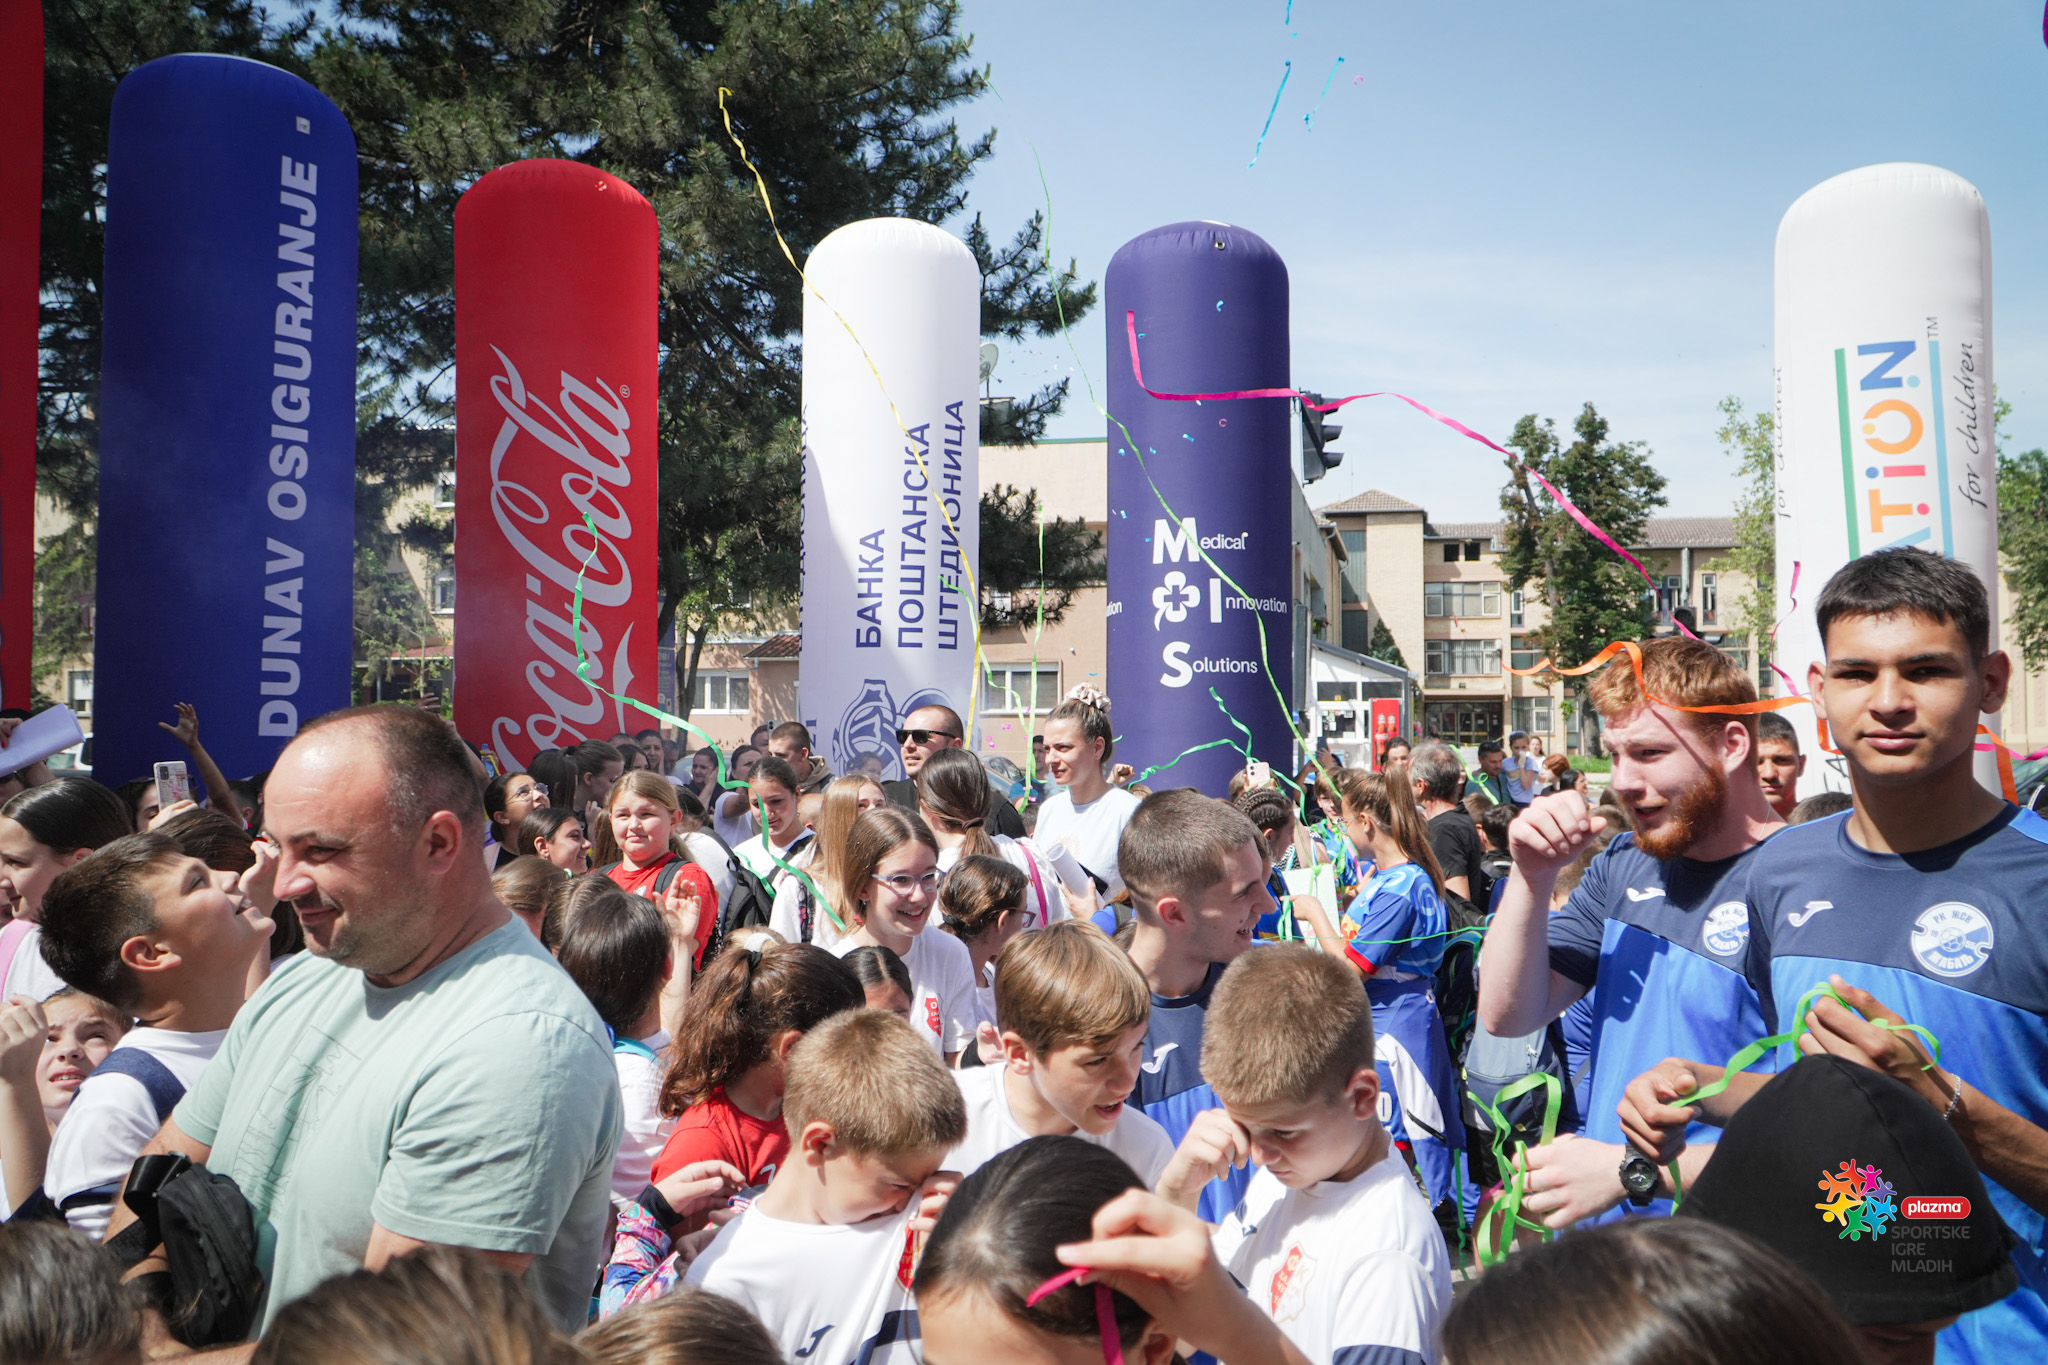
column 1210, row 303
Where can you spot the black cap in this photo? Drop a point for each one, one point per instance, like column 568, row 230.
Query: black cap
column 1859, row 1182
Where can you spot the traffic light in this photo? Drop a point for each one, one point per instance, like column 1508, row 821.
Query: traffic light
column 1317, row 436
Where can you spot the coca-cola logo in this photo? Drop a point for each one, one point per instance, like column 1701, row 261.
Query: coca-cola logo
column 586, row 429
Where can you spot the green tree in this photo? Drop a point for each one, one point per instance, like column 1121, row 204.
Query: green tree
column 2023, row 542
column 1593, row 597
column 1031, row 562
column 844, row 110
column 66, row 565
column 89, row 45
column 1748, row 437
column 1383, row 646
column 1021, row 297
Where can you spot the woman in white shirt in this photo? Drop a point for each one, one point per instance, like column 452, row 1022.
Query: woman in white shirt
column 1089, row 815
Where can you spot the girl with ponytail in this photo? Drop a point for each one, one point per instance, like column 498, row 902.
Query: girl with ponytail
column 725, row 1066
column 953, row 795
column 1402, row 927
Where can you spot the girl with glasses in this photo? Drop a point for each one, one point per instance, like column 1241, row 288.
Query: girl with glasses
column 891, row 881
column 510, row 798
column 986, row 903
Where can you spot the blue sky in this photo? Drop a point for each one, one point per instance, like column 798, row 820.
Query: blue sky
column 1505, row 209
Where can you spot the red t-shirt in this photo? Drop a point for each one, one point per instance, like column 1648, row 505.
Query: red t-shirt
column 640, row 882
column 719, row 1130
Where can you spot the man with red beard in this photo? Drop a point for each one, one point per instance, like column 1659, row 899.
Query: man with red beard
column 1657, row 929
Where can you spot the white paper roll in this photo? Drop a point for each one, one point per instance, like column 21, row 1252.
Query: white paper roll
column 891, row 523
column 1884, row 397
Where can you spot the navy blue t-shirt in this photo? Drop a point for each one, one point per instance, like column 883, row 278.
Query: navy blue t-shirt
column 1662, row 945
column 1954, row 939
column 1170, row 1085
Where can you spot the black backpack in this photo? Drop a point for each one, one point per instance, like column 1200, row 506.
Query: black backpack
column 748, row 907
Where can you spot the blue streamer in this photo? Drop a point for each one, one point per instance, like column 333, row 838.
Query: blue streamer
column 1287, row 70
column 1310, row 117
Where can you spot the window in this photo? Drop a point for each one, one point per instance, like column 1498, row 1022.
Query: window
column 1450, row 552
column 1357, row 632
column 1461, row 599
column 719, row 692
column 1532, row 714
column 1471, row 658
column 1473, row 549
column 1462, row 722
column 444, row 488
column 1515, row 609
column 1010, row 690
column 1528, row 652
column 78, row 691
column 1710, row 598
column 1354, row 566
column 444, row 592
column 1336, row 691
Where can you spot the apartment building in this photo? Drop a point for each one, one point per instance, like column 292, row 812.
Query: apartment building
column 1438, row 589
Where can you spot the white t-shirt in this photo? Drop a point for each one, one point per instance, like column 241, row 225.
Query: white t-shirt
column 828, row 1293
column 786, row 918
column 1342, row 1267
column 942, row 1005
column 111, row 1119
column 1091, row 831
column 993, row 1128
column 755, row 854
column 28, row 974
column 734, row 831
column 646, row 1130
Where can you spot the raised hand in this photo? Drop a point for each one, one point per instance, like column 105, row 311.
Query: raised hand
column 186, row 731
column 1551, row 831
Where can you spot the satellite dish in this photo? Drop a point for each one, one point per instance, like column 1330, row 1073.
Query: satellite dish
column 988, row 359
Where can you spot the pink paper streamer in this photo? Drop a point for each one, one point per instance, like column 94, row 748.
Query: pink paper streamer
column 1571, row 508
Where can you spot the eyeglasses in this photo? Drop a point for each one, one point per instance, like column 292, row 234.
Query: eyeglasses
column 902, row 883
column 540, row 789
column 923, row 737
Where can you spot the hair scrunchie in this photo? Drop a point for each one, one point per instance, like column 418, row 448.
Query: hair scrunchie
column 1089, row 696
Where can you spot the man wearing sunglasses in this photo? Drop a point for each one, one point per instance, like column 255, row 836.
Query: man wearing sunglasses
column 923, row 733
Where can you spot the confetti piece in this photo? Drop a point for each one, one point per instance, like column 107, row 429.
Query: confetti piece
column 1287, row 69
column 1219, row 305
column 1185, row 437
column 1222, row 421
column 1310, row 117
column 1284, row 22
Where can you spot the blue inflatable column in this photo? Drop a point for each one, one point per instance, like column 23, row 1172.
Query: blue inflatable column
column 1199, row 499
column 227, row 413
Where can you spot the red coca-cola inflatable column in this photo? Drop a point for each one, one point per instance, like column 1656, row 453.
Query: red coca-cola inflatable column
column 21, row 194
column 554, row 418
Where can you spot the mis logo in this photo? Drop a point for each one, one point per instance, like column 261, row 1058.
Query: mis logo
column 1895, row 488
column 1860, row 1199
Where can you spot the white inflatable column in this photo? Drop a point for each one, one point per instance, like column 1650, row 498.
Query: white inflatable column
column 1884, row 423
column 891, row 521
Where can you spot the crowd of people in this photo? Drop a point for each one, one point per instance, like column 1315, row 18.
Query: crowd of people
column 397, row 1052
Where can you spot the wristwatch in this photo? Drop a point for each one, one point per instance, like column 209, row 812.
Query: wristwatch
column 1639, row 1179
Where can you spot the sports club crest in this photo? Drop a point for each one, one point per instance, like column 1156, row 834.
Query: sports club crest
column 867, row 730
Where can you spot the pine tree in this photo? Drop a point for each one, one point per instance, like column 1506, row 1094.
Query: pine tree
column 1031, row 563
column 1384, row 648
column 1593, row 596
